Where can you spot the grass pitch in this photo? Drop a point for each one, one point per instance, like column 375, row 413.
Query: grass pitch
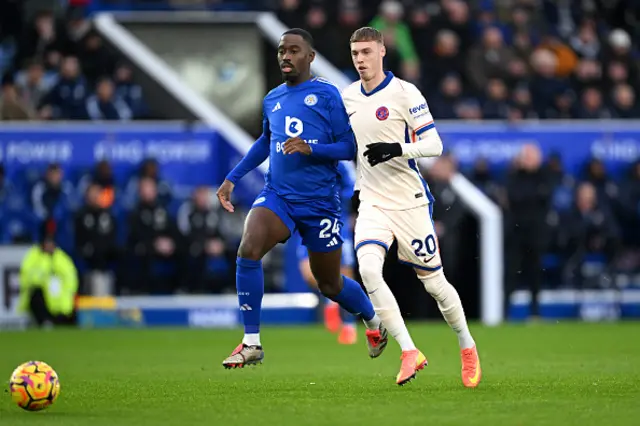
column 542, row 374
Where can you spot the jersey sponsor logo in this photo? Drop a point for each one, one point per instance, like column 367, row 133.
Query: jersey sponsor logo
column 280, row 145
column 382, row 113
column 310, row 100
column 293, row 126
column 416, row 110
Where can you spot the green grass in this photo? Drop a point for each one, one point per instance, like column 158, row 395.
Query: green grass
column 543, row 374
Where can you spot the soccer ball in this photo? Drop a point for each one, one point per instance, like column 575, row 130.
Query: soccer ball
column 34, row 386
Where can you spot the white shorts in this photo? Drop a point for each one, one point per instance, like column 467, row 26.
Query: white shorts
column 413, row 229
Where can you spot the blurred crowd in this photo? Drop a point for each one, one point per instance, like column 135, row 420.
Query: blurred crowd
column 562, row 230
column 494, row 59
column 131, row 236
column 55, row 66
column 477, row 59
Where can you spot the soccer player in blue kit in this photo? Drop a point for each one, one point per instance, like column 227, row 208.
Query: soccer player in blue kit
column 336, row 319
column 306, row 131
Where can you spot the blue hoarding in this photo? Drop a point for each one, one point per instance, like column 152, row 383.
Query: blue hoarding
column 185, row 153
column 616, row 143
column 195, row 154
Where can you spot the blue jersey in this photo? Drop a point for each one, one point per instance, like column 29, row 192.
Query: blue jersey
column 314, row 111
column 303, row 190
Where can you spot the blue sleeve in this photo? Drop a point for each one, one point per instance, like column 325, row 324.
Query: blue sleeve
column 344, row 141
column 347, row 181
column 258, row 152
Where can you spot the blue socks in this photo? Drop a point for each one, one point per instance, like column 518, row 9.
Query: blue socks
column 347, row 318
column 250, row 286
column 354, row 300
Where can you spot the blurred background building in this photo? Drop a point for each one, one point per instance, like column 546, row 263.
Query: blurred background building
column 120, row 117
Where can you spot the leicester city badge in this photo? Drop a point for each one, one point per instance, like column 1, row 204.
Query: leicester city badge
column 311, row 100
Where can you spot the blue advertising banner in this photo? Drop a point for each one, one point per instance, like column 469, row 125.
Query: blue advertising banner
column 616, row 143
column 192, row 155
column 196, row 154
column 186, row 154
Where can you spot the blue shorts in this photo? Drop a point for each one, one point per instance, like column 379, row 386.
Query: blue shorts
column 319, row 223
column 348, row 257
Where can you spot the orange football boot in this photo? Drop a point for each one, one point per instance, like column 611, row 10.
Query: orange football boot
column 471, row 371
column 348, row 335
column 332, row 319
column 412, row 362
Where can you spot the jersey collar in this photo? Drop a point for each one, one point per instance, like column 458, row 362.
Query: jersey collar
column 385, row 83
column 301, row 85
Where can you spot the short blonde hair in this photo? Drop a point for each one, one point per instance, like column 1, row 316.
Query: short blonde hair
column 366, row 34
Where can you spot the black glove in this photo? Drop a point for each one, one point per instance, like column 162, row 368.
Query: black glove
column 380, row 152
column 355, row 201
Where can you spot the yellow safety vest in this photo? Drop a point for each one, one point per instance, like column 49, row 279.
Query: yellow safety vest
column 55, row 274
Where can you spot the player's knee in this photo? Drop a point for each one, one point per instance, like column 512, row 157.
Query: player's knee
column 370, row 272
column 434, row 282
column 370, row 266
column 250, row 250
column 330, row 287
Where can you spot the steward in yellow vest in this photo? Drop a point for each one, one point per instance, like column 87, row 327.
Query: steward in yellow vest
column 48, row 282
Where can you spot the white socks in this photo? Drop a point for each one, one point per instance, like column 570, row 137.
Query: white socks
column 373, row 323
column 252, row 339
column 371, row 259
column 450, row 305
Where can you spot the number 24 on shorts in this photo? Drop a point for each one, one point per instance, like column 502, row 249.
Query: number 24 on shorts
column 429, row 244
column 326, row 225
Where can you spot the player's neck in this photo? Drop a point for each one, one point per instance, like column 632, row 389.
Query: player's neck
column 374, row 82
column 301, row 79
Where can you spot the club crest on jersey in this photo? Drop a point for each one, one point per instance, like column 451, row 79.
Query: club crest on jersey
column 382, row 113
column 310, row 100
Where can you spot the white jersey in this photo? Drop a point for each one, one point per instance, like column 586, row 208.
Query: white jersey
column 395, row 111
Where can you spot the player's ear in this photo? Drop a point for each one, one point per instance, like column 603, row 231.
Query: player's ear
column 312, row 55
column 383, row 51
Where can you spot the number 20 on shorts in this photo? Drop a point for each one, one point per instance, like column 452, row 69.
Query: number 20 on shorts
column 426, row 247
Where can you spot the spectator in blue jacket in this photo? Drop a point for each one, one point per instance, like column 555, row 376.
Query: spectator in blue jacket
column 106, row 105
column 66, row 100
column 49, row 196
column 128, row 90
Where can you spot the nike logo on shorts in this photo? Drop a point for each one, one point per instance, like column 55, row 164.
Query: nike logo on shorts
column 429, row 259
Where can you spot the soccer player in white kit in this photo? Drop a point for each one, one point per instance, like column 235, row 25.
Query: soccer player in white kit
column 393, row 127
